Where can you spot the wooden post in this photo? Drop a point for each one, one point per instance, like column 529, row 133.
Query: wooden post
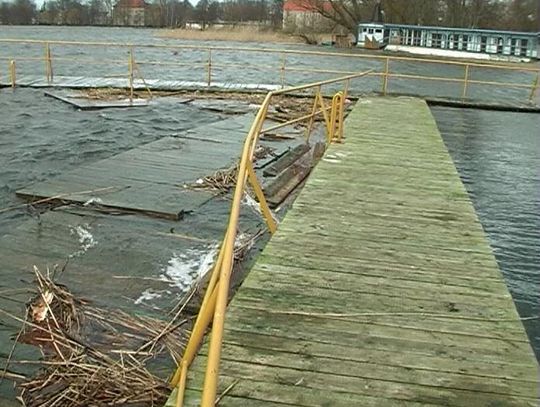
column 385, row 80
column 209, row 69
column 12, row 73
column 48, row 63
column 465, row 82
column 534, row 88
column 130, row 75
column 282, row 71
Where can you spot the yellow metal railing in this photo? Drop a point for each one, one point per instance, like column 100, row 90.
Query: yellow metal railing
column 207, row 59
column 215, row 299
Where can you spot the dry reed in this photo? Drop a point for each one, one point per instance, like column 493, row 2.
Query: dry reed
column 240, row 34
column 92, row 356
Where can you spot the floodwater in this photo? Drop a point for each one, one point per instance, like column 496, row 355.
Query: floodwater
column 498, row 157
column 258, row 67
column 42, row 137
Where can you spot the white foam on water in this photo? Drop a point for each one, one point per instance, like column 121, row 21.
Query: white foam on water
column 86, row 239
column 332, row 160
column 252, row 203
column 93, row 200
column 147, row 295
column 185, row 268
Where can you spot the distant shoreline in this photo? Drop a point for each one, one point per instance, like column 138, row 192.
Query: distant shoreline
column 240, row 34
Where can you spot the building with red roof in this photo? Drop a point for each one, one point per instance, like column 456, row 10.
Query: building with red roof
column 129, row 13
column 303, row 16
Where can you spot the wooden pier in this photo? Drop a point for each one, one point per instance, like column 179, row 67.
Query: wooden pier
column 379, row 288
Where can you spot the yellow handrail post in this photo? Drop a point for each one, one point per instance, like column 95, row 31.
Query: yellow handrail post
column 327, row 120
column 182, row 384
column 386, row 72
column 141, row 77
column 309, row 128
column 48, row 63
column 342, row 110
column 282, row 70
column 12, row 73
column 265, row 209
column 465, row 82
column 534, row 87
column 214, row 349
column 336, row 118
column 209, row 68
column 203, row 318
column 130, row 74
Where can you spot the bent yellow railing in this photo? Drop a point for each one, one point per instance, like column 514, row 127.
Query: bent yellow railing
column 208, row 60
column 216, row 297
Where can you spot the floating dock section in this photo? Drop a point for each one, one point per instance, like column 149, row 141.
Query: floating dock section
column 379, row 288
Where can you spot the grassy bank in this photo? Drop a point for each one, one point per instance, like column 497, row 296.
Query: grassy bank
column 242, row 34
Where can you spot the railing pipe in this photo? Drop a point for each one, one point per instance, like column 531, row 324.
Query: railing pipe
column 276, row 50
column 203, row 318
column 214, row 350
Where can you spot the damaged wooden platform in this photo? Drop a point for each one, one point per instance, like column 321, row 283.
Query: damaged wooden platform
column 153, row 177
column 82, row 82
column 85, row 103
column 379, row 288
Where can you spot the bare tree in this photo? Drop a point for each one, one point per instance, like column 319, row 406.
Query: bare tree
column 346, row 13
column 19, row 12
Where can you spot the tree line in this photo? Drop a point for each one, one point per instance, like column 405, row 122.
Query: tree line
column 159, row 13
column 515, row 15
column 519, row 15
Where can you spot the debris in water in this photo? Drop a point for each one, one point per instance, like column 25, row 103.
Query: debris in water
column 93, row 356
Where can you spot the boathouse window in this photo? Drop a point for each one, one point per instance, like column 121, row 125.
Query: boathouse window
column 483, row 43
column 417, row 37
column 450, row 41
column 436, row 40
column 465, row 43
column 524, row 46
column 513, row 44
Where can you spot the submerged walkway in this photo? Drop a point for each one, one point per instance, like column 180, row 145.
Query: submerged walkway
column 379, row 287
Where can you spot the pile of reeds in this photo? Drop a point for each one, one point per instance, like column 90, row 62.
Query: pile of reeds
column 94, row 357
column 225, row 179
column 221, row 180
column 105, row 93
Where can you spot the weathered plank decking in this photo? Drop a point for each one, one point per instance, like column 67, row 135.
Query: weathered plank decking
column 379, row 288
column 151, row 177
column 81, row 82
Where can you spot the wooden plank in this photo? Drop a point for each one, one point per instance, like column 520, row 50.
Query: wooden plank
column 304, row 381
column 379, row 287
